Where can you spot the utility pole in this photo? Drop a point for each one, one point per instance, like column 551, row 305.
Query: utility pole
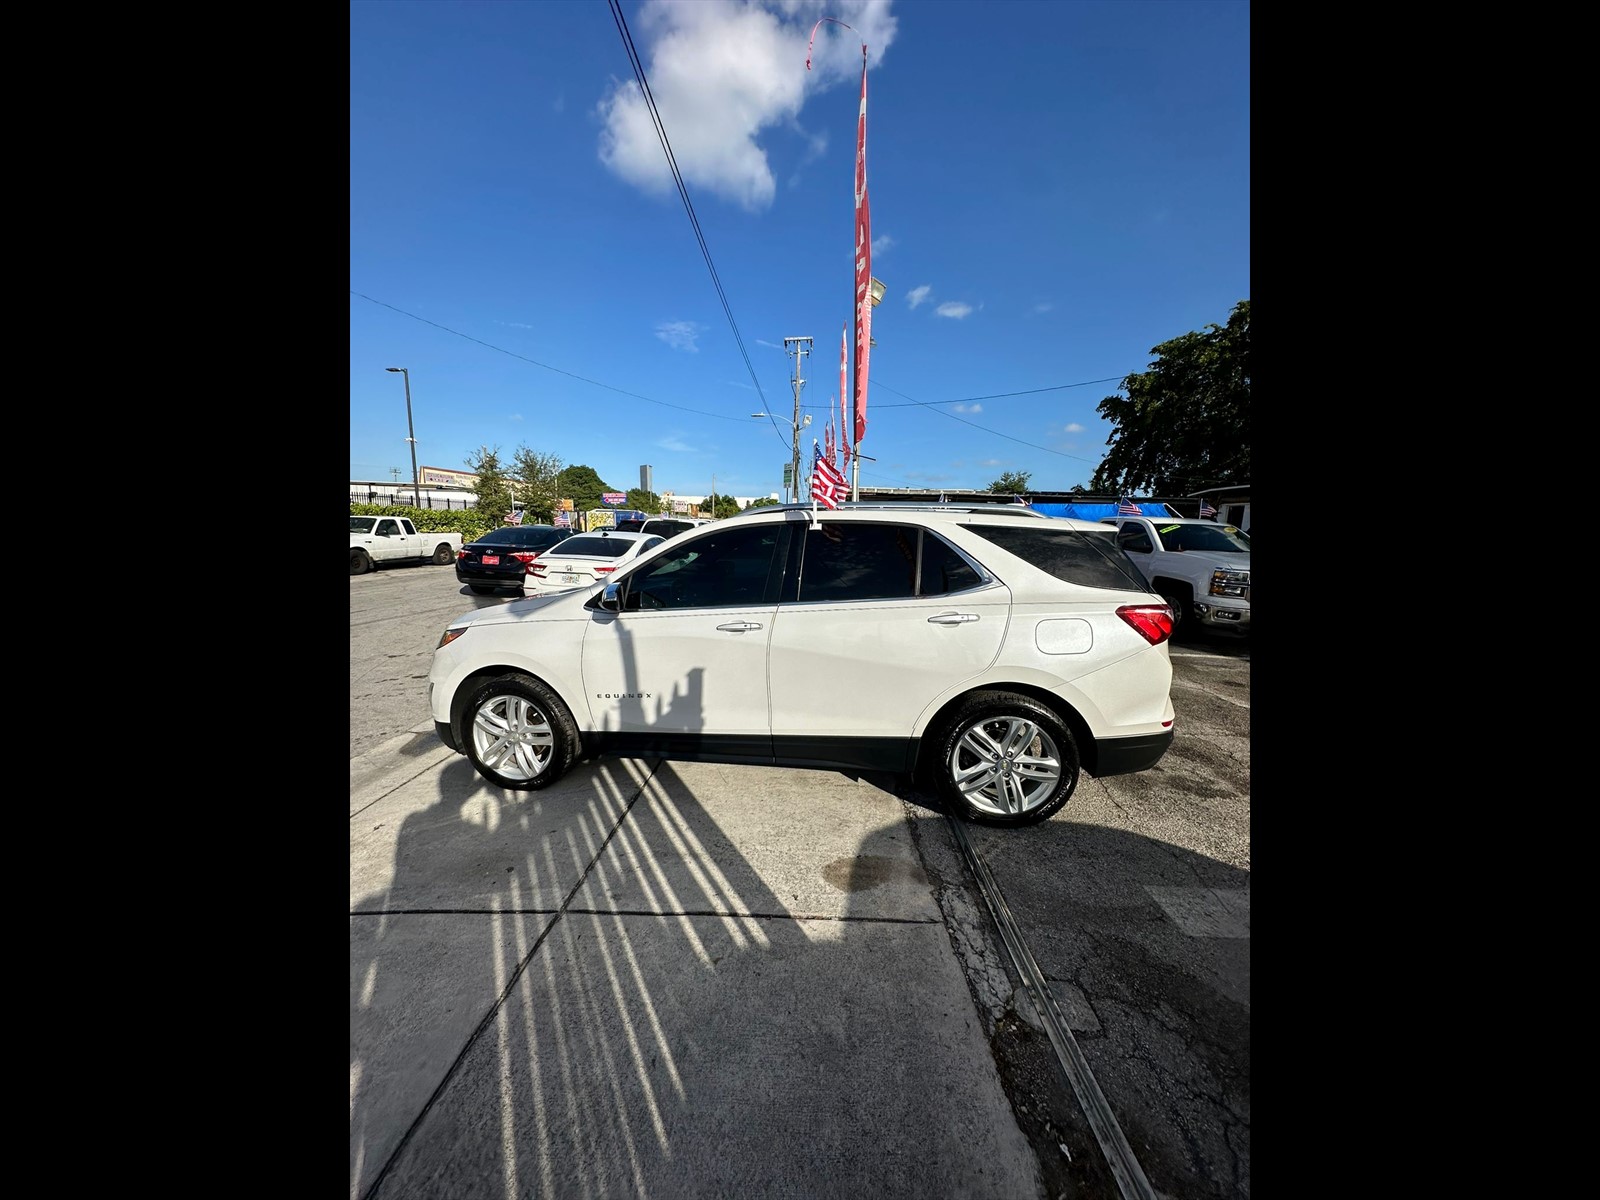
column 802, row 347
column 416, row 480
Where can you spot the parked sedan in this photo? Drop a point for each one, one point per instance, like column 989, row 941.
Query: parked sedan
column 586, row 559
column 501, row 559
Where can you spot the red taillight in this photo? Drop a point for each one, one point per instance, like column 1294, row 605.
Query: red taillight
column 604, row 570
column 536, row 568
column 1153, row 622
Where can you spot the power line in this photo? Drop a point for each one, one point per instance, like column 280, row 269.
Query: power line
column 913, row 403
column 694, row 221
column 570, row 375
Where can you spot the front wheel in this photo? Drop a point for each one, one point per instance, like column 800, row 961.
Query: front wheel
column 519, row 733
column 360, row 564
column 1179, row 600
column 1005, row 759
column 443, row 554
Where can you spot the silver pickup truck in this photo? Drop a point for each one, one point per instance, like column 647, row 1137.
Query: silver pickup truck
column 382, row 541
column 1201, row 568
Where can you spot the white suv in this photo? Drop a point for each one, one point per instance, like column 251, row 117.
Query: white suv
column 987, row 650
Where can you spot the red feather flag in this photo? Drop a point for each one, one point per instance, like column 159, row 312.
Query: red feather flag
column 844, row 394
column 863, row 262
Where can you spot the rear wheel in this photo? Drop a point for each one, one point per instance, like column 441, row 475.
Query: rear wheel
column 443, row 554
column 518, row 732
column 360, row 564
column 1005, row 759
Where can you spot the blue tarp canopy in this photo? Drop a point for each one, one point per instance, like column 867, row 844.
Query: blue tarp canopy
column 1096, row 512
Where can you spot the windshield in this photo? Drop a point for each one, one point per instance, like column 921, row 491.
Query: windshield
column 362, row 524
column 1228, row 538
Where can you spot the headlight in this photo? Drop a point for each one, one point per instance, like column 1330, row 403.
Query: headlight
column 1230, row 583
column 448, row 636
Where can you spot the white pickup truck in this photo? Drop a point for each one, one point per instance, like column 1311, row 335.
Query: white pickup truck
column 382, row 541
column 1201, row 568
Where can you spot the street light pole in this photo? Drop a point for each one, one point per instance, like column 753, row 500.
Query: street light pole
column 416, row 480
column 802, row 347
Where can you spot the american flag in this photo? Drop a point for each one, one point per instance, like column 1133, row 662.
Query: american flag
column 1206, row 510
column 827, row 485
column 1021, row 499
column 514, row 518
column 1127, row 508
column 827, row 438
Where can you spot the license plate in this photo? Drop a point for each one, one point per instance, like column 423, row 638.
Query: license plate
column 569, row 579
column 491, row 560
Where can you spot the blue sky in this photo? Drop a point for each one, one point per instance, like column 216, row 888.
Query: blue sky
column 1056, row 186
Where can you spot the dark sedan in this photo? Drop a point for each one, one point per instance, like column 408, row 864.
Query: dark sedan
column 499, row 560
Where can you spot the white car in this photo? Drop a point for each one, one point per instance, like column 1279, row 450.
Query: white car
column 584, row 560
column 986, row 650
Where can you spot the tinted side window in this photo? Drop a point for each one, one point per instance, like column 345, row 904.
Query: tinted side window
column 847, row 561
column 1133, row 537
column 728, row 569
column 943, row 570
column 387, row 528
column 1086, row 559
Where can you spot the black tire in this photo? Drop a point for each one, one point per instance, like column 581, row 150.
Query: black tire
column 518, row 733
column 360, row 563
column 443, row 554
column 1004, row 759
column 1180, row 600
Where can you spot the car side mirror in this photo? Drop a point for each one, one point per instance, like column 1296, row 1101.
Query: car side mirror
column 611, row 597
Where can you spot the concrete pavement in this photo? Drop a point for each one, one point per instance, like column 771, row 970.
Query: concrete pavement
column 668, row 980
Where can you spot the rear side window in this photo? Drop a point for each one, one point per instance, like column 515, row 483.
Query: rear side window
column 850, row 561
column 1087, row 559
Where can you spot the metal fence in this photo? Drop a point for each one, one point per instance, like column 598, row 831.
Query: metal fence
column 442, row 501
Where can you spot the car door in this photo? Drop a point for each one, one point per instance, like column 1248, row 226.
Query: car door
column 885, row 618
column 682, row 668
column 1136, row 538
column 388, row 542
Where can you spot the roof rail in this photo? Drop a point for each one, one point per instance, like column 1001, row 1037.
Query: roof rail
column 892, row 506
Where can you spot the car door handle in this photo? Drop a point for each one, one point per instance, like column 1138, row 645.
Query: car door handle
column 740, row 626
column 952, row 618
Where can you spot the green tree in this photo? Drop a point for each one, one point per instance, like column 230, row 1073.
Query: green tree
column 1013, row 482
column 534, row 478
column 718, row 505
column 644, row 501
column 1185, row 423
column 583, row 486
column 762, row 502
column 494, row 486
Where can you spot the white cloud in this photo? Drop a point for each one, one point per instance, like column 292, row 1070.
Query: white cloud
column 880, row 244
column 680, row 335
column 953, row 308
column 968, row 408
column 771, row 345
column 992, row 462
column 673, row 442
column 1073, row 427
column 1043, row 306
column 721, row 75
column 917, row 295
